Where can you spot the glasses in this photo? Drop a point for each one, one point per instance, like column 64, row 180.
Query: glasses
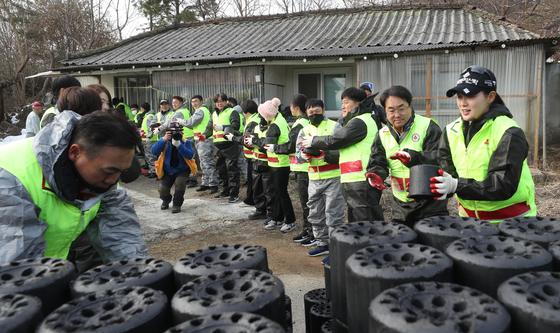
column 401, row 110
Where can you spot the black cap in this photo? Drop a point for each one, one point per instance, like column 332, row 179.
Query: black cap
column 473, row 80
column 163, row 101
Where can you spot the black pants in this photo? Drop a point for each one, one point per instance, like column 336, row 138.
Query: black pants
column 180, row 182
column 249, row 197
column 263, row 189
column 282, row 209
column 409, row 213
column 228, row 169
column 362, row 201
column 302, row 179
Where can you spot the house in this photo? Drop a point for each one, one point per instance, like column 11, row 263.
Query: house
column 321, row 53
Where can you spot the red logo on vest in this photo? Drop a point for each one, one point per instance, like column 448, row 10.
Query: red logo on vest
column 415, row 137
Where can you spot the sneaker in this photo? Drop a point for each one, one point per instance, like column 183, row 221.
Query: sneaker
column 175, row 209
column 203, row 188
column 164, row 205
column 301, row 237
column 287, row 227
column 213, row 189
column 325, row 261
column 257, row 215
column 152, row 175
column 233, row 199
column 309, row 242
column 272, row 225
column 248, row 202
column 319, row 251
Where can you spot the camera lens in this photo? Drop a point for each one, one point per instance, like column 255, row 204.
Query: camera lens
column 176, row 136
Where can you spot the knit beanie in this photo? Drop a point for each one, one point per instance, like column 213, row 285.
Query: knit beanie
column 269, row 109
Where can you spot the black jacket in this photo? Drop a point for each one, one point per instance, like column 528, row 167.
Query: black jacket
column 353, row 130
column 378, row 160
column 506, row 163
column 290, row 147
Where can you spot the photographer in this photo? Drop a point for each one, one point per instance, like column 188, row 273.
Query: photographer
column 175, row 169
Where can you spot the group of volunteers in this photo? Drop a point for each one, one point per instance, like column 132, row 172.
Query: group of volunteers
column 340, row 167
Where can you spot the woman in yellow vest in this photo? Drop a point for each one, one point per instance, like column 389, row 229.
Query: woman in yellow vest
column 299, row 166
column 408, row 139
column 483, row 154
column 277, row 134
column 227, row 124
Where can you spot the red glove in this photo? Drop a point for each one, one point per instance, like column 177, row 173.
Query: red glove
column 375, row 181
column 402, row 156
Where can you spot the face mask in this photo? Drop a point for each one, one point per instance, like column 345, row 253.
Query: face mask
column 316, row 119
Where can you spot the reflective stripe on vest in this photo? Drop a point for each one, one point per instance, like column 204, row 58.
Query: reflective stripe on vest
column 257, row 154
column 414, row 140
column 221, row 119
column 295, row 164
column 319, row 168
column 65, row 222
column 354, row 159
column 471, row 162
column 280, row 160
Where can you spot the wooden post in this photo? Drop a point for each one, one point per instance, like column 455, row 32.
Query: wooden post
column 428, row 87
column 536, row 120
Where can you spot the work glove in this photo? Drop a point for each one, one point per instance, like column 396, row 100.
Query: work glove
column 218, row 127
column 375, row 181
column 402, row 156
column 176, row 143
column 229, row 136
column 181, row 121
column 156, row 131
column 248, row 141
column 270, row 147
column 306, row 141
column 443, row 186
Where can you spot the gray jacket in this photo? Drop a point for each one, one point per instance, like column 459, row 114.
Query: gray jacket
column 115, row 233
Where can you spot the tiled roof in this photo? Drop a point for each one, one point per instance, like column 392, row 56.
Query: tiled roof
column 362, row 31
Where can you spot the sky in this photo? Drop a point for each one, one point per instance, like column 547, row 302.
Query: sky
column 138, row 24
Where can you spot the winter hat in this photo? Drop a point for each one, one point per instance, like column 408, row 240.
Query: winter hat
column 269, row 109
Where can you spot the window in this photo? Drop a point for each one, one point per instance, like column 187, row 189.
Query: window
column 326, row 84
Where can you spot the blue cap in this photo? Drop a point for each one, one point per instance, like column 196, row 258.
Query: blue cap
column 367, row 86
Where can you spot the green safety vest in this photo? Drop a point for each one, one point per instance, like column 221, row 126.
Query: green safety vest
column 295, row 165
column 257, row 154
column 127, row 110
column 51, row 110
column 187, row 132
column 318, row 168
column 65, row 222
column 354, row 159
column 254, row 118
column 413, row 140
column 200, row 128
column 280, row 160
column 221, row 119
column 145, row 128
column 471, row 162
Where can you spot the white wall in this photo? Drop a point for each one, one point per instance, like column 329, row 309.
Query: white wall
column 87, row 80
column 109, row 82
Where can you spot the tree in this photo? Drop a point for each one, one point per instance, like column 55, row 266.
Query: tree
column 245, row 8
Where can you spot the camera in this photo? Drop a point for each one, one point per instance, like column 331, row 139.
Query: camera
column 176, row 130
